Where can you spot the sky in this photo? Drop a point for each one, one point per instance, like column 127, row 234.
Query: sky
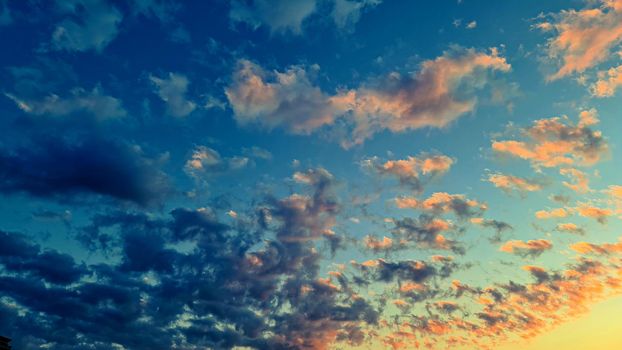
column 311, row 174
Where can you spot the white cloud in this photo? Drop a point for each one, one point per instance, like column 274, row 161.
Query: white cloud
column 172, row 91
column 97, row 26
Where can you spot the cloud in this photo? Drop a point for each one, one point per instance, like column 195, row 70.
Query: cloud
column 499, row 226
column 79, row 101
column 284, row 16
column 553, row 213
column 509, row 183
column 608, row 82
column 570, row 228
column 443, row 202
column 172, row 90
column 412, row 171
column 55, row 167
column 583, row 38
column 442, row 90
column 426, row 233
column 590, row 211
column 597, row 249
column 557, row 142
column 18, row 255
column 580, row 183
column 206, row 161
column 90, row 25
column 531, row 248
column 284, row 99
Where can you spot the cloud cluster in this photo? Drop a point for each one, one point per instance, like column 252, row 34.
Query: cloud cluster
column 254, row 284
column 584, row 38
column 443, row 90
column 172, row 90
column 557, row 142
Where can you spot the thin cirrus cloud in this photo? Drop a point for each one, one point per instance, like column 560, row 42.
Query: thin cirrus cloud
column 443, row 90
column 583, row 38
column 79, row 100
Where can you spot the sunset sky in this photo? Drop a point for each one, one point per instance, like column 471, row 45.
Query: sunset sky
column 311, row 174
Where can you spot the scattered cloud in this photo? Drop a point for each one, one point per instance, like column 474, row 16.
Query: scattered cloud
column 557, row 142
column 531, row 248
column 509, row 183
column 93, row 102
column 583, row 38
column 89, row 25
column 442, row 90
column 173, row 90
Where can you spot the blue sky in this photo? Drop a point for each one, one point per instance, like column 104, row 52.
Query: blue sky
column 312, row 174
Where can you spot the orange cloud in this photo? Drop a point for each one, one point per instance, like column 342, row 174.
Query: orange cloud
column 374, row 243
column 555, row 141
column 554, row 213
column 608, row 82
column 529, row 248
column 602, row 249
column 510, row 182
column 597, row 213
column 570, row 228
column 580, row 183
column 583, row 38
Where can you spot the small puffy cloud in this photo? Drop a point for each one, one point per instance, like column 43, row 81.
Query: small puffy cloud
column 283, row 16
column 471, row 25
column 580, row 182
column 412, row 171
column 59, row 168
column 206, row 161
column 280, row 15
column 597, row 249
column 556, row 141
column 553, row 213
column 443, row 202
column 583, row 38
column 509, row 183
column 79, row 100
column 443, row 90
column 590, row 211
column 172, row 90
column 608, row 82
column 377, row 245
column 531, row 248
column 570, row 228
column 90, row 25
column 615, row 191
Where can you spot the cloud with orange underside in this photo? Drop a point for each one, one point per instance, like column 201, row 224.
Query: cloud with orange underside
column 532, row 248
column 558, row 142
column 581, row 39
column 509, row 183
